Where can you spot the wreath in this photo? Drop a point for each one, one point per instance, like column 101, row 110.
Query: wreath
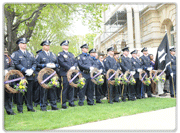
column 128, row 78
column 118, row 77
column 47, row 71
column 155, row 77
column 112, row 82
column 140, row 77
column 95, row 70
column 69, row 77
column 9, row 89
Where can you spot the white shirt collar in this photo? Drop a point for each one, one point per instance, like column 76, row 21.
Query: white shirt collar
column 23, row 51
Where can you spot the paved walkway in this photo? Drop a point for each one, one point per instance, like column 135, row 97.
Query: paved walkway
column 164, row 119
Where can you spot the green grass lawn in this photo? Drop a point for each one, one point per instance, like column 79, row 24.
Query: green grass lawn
column 35, row 121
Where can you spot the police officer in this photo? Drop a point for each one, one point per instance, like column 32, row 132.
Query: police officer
column 86, row 65
column 172, row 71
column 110, row 63
column 146, row 65
column 93, row 55
column 67, row 62
column 47, row 59
column 26, row 63
column 118, row 88
column 138, row 68
column 100, row 64
column 8, row 65
column 126, row 65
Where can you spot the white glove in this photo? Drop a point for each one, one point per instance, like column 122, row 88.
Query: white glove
column 100, row 70
column 5, row 71
column 91, row 68
column 53, row 65
column 29, row 72
column 50, row 65
column 72, row 68
column 132, row 72
column 139, row 69
column 171, row 75
column 149, row 68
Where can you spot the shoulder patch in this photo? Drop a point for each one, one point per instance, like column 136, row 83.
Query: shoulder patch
column 13, row 54
column 37, row 56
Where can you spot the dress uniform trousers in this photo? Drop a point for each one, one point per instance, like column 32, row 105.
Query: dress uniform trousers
column 137, row 88
column 28, row 97
column 8, row 102
column 98, row 92
column 67, row 92
column 44, row 93
column 88, row 89
column 171, row 85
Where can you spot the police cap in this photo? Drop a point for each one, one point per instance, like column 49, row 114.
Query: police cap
column 125, row 49
column 47, row 42
column 144, row 49
column 110, row 49
column 84, row 46
column 21, row 40
column 64, row 43
column 134, row 52
column 173, row 49
column 92, row 50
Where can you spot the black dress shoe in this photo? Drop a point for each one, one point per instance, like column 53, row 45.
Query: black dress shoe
column 64, row 107
column 55, row 108
column 32, row 110
column 99, row 102
column 72, row 105
column 11, row 113
column 91, row 104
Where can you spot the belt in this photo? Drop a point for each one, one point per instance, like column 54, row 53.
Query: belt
column 85, row 71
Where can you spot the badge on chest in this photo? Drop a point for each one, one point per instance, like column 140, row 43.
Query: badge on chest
column 65, row 56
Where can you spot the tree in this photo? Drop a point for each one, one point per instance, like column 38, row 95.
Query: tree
column 38, row 22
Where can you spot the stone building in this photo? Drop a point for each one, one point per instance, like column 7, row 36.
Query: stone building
column 136, row 26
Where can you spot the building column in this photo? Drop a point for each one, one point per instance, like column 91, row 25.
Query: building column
column 137, row 28
column 130, row 27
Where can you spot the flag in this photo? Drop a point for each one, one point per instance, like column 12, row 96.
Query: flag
column 163, row 57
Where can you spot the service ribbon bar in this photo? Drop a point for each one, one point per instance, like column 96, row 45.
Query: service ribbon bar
column 13, row 80
column 48, row 77
column 74, row 77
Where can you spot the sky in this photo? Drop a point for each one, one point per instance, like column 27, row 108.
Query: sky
column 78, row 28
